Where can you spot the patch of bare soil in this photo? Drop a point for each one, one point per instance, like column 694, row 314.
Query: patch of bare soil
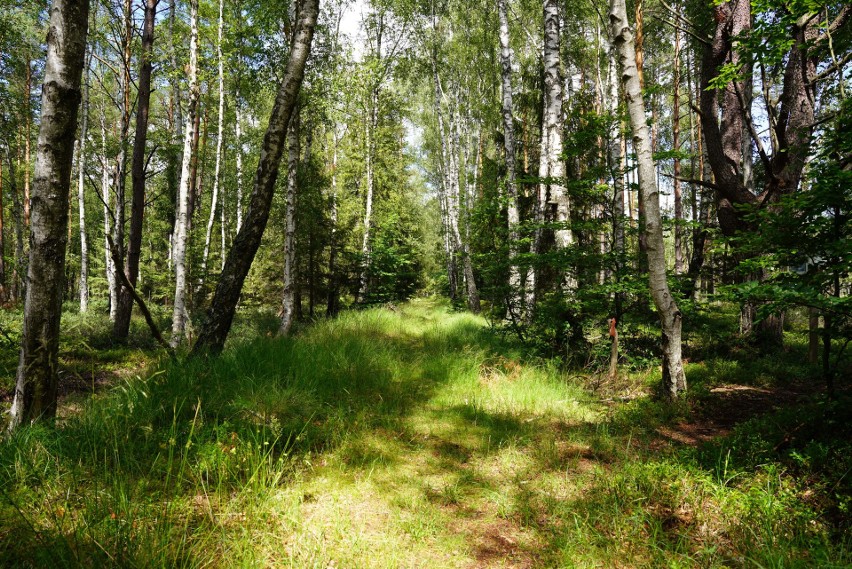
column 727, row 406
column 498, row 545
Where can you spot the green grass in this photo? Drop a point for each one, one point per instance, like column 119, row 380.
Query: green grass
column 411, row 438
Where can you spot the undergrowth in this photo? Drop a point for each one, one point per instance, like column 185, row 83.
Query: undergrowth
column 417, row 437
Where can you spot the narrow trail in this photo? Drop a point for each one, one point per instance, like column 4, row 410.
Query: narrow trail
column 458, row 478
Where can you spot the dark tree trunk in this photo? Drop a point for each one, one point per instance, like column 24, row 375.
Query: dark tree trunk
column 215, row 330
column 121, row 326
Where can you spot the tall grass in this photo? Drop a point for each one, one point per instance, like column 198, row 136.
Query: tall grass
column 407, row 438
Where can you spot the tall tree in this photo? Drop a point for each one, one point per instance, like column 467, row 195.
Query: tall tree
column 219, row 139
column 37, row 377
column 215, row 330
column 288, row 302
column 180, row 315
column 81, row 193
column 370, row 126
column 674, row 379
column 514, row 308
column 121, row 326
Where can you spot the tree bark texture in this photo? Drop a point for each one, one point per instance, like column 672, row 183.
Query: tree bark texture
column 288, row 301
column 137, row 173
column 333, row 303
column 220, row 135
column 513, row 308
column 674, row 379
column 215, row 330
column 179, row 312
column 81, row 194
column 37, row 378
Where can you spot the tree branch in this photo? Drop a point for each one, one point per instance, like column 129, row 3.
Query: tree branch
column 684, row 30
column 693, row 181
column 119, row 271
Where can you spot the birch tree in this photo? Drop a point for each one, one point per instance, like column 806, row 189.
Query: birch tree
column 514, row 308
column 219, row 136
column 552, row 167
column 212, row 336
column 37, row 378
column 674, row 379
column 288, row 302
column 181, row 236
column 81, row 192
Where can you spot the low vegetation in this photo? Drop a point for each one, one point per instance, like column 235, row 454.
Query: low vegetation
column 413, row 436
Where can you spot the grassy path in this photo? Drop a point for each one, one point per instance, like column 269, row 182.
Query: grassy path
column 412, row 437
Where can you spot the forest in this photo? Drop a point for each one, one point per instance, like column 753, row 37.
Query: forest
column 425, row 283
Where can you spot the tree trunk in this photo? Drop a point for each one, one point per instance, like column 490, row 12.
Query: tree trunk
column 371, row 125
column 17, row 213
column 618, row 167
column 513, row 300
column 81, row 194
column 109, row 221
column 28, row 119
column 221, row 313
column 238, row 135
column 678, row 196
column 137, row 206
column 220, row 132
column 333, row 304
column 179, row 312
column 3, row 295
column 120, row 178
column 674, row 379
column 288, row 302
column 37, row 376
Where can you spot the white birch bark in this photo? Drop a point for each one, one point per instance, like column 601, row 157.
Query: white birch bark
column 37, row 375
column 81, row 194
column 106, row 191
column 674, row 379
column 221, row 129
column 513, row 309
column 179, row 312
column 371, row 124
column 331, row 307
column 239, row 144
column 288, row 302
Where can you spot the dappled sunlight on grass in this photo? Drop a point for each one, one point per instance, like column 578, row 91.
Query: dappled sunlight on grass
column 413, row 437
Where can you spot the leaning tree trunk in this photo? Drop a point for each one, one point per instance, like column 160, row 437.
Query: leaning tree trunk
column 221, row 313
column 674, row 379
column 37, row 377
column 288, row 302
column 514, row 308
column 137, row 172
column 678, row 196
column 179, row 312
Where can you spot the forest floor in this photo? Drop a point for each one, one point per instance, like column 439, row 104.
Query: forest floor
column 420, row 437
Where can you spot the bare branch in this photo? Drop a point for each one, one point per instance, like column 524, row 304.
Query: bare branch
column 119, row 271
